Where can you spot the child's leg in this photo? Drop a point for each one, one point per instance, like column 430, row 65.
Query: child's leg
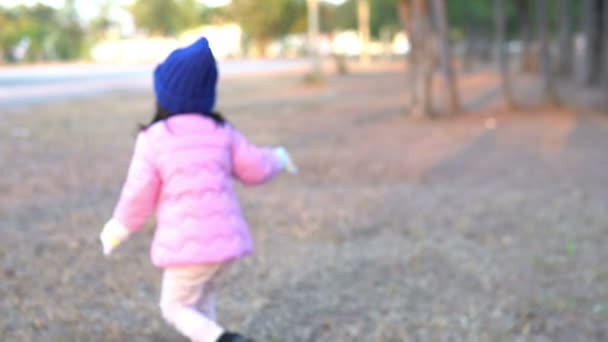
column 206, row 304
column 183, row 291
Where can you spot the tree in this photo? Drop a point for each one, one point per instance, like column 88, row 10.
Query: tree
column 69, row 43
column 382, row 15
column 214, row 15
column 42, row 32
column 363, row 22
column 524, row 11
column 166, row 17
column 593, row 44
column 445, row 57
column 265, row 20
column 313, row 37
column 406, row 17
column 422, row 40
column 470, row 33
column 501, row 53
column 605, row 53
column 100, row 24
column 548, row 86
column 566, row 46
column 345, row 16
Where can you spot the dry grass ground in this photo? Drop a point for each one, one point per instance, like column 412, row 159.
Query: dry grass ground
column 490, row 226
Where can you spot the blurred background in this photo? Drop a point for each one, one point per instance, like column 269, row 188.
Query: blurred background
column 452, row 155
column 105, row 31
column 558, row 40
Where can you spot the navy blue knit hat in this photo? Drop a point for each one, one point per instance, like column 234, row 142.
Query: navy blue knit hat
column 186, row 81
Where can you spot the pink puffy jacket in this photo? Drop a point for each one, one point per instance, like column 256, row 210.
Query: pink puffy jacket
column 184, row 168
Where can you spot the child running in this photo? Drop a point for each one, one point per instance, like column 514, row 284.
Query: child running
column 183, row 168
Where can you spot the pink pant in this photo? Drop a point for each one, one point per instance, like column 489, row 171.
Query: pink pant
column 187, row 301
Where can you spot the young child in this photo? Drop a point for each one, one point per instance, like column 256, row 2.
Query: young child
column 183, row 168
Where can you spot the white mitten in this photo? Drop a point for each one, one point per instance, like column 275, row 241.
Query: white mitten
column 112, row 235
column 285, row 158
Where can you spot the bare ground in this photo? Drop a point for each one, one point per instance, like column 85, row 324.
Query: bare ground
column 490, row 226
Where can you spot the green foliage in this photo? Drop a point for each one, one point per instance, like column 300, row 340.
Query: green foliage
column 54, row 34
column 214, row 15
column 477, row 16
column 383, row 15
column 344, row 16
column 99, row 24
column 68, row 43
column 268, row 19
column 51, row 34
column 166, row 17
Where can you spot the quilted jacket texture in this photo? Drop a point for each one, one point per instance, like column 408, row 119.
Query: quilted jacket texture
column 183, row 168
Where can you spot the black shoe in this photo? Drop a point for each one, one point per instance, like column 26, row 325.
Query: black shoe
column 233, row 337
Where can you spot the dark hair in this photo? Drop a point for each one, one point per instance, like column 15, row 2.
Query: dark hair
column 162, row 114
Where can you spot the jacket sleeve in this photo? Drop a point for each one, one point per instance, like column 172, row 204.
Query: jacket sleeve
column 251, row 164
column 139, row 194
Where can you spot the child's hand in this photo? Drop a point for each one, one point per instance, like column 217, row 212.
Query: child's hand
column 112, row 235
column 285, row 158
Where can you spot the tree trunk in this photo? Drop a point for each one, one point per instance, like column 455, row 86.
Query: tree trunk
column 470, row 34
column 501, row 53
column 527, row 54
column 587, row 21
column 363, row 19
column 422, row 38
column 262, row 45
column 548, row 86
column 313, row 38
column 445, row 58
column 406, row 16
column 605, row 42
column 385, row 39
column 566, row 45
column 593, row 44
column 467, row 57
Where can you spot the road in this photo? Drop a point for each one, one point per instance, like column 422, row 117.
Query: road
column 35, row 84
